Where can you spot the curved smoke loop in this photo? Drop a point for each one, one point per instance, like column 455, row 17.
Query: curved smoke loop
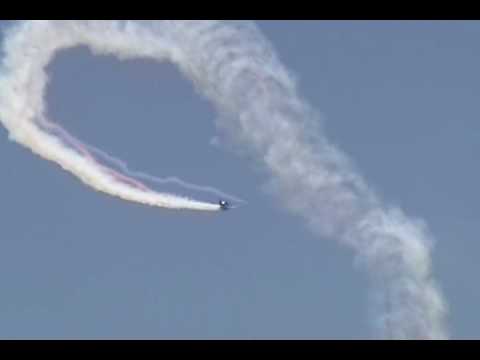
column 235, row 67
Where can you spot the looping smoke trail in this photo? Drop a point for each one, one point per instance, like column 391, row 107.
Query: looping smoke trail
column 235, row 67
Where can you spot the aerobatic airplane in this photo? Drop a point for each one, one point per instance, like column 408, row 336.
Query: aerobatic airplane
column 224, row 205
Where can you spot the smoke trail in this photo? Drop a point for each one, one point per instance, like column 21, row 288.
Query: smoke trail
column 22, row 111
column 87, row 150
column 234, row 66
column 82, row 149
column 158, row 180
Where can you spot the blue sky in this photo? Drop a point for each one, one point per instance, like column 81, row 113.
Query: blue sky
column 401, row 98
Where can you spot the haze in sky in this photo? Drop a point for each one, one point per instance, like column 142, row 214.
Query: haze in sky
column 397, row 97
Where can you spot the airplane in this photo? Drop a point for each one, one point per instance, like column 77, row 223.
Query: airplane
column 224, row 205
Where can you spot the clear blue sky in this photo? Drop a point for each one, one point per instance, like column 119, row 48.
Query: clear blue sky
column 401, row 98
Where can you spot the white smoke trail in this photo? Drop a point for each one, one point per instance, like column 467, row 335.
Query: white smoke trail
column 235, row 67
column 22, row 111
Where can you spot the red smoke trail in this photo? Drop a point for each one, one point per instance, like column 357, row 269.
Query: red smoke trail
column 81, row 148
